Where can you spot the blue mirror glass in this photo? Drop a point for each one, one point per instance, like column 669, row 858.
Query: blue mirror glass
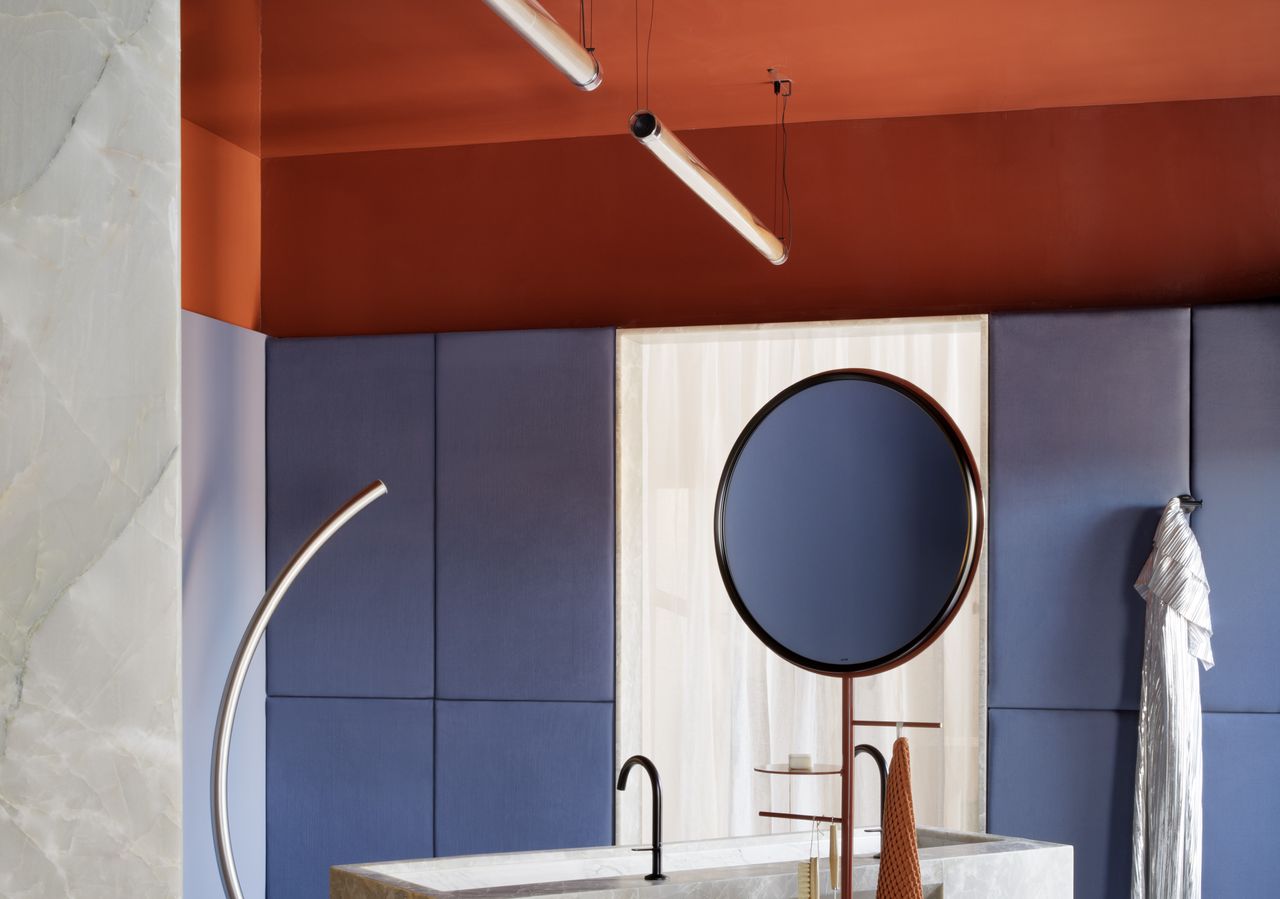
column 848, row 522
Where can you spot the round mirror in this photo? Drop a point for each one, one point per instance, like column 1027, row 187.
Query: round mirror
column 848, row 522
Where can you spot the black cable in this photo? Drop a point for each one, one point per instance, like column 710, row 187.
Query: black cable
column 587, row 26
column 653, row 11
column 786, row 191
column 637, row 32
column 774, row 218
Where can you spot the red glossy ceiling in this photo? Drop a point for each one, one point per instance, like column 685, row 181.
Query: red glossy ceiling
column 345, row 75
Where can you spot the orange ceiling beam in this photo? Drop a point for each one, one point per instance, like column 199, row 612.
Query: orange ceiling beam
column 1118, row 205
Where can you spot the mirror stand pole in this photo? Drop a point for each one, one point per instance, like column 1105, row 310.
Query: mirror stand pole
column 846, row 789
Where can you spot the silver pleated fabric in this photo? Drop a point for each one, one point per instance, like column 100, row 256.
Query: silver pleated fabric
column 1167, row 796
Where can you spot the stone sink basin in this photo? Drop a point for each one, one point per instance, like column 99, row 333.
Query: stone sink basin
column 955, row 865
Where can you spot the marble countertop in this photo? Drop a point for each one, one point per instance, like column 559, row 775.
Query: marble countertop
column 964, row 865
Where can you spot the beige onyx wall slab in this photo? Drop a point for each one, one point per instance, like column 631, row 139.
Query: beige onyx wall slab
column 90, row 556
column 697, row 692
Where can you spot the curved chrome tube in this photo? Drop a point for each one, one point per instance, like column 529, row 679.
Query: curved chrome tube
column 240, row 668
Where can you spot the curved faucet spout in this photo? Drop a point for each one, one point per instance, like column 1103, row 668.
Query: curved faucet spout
column 656, row 785
column 878, row 757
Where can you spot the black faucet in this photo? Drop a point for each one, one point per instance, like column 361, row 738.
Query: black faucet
column 884, row 771
column 656, row 785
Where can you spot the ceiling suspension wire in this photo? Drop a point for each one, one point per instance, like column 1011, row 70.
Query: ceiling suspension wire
column 784, row 89
column 781, row 220
column 773, row 219
column 648, row 47
column 653, row 11
column 587, row 25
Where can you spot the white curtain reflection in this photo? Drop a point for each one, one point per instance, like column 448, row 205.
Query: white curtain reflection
column 696, row 691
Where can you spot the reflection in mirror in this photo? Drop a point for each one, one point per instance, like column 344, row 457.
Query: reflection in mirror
column 847, row 522
column 697, row 691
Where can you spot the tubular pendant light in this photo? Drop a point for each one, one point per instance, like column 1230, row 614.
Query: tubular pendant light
column 647, row 129
column 545, row 35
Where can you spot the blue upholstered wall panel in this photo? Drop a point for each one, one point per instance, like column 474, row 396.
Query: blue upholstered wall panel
column 1090, row 436
column 525, row 541
column 524, row 580
column 1067, row 777
column 1236, row 471
column 1089, row 414
column 340, row 413
column 523, row 775
column 348, row 780
column 1241, row 804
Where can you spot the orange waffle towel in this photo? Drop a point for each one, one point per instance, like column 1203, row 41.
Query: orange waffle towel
column 899, row 855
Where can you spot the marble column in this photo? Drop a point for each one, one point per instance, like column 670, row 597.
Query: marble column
column 90, row 558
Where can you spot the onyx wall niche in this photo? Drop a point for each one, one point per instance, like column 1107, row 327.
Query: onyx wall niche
column 90, row 587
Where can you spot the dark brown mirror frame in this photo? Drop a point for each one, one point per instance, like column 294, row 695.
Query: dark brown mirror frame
column 973, row 547
column 960, row 589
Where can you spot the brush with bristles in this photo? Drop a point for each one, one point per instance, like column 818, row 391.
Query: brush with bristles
column 807, row 879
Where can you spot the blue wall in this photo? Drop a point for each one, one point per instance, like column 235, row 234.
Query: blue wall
column 1097, row 419
column 223, row 520
column 1235, row 468
column 441, row 676
column 342, row 412
column 524, row 590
